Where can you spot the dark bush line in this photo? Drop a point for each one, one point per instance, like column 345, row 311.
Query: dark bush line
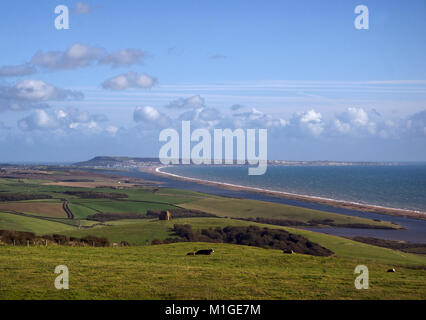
column 96, row 195
column 104, row 216
column 22, row 196
column 312, row 223
column 77, row 180
column 181, row 213
column 150, row 214
column 21, row 238
column 276, row 222
column 418, row 248
column 250, row 236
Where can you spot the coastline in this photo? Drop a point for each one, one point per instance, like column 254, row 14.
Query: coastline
column 281, row 194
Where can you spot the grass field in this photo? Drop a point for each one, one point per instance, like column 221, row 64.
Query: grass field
column 244, row 208
column 97, row 205
column 10, row 221
column 165, row 272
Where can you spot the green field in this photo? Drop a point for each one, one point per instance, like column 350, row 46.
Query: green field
column 165, row 272
column 244, row 208
column 10, row 221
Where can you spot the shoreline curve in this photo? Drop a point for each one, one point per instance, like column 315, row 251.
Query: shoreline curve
column 293, row 196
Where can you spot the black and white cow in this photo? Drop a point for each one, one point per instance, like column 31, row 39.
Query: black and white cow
column 205, row 251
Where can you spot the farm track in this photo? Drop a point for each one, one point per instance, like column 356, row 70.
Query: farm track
column 67, row 209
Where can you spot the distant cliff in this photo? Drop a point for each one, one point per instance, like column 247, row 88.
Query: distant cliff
column 114, row 162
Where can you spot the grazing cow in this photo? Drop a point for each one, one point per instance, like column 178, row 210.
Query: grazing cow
column 288, row 251
column 190, row 254
column 391, row 270
column 205, row 252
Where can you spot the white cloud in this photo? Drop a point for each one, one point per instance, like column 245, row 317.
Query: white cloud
column 356, row 121
column 18, row 70
column 79, row 55
column 357, row 116
column 71, row 118
column 187, row 103
column 129, row 80
column 27, row 94
column 342, row 127
column 311, row 117
column 309, row 122
column 40, row 120
column 125, row 57
column 150, row 116
column 76, row 56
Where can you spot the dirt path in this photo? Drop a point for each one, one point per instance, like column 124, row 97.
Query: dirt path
column 67, row 210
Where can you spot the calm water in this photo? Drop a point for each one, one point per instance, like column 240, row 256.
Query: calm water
column 399, row 186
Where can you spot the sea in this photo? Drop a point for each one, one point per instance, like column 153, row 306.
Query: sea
column 400, row 186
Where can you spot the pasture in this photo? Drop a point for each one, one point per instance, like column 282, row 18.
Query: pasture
column 165, row 272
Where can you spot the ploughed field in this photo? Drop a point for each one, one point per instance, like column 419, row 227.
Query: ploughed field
column 79, row 205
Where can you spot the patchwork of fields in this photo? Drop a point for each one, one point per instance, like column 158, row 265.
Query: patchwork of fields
column 143, row 271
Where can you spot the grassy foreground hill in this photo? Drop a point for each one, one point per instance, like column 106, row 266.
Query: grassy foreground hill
column 165, row 272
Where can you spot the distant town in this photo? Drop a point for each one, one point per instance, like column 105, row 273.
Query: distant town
column 136, row 163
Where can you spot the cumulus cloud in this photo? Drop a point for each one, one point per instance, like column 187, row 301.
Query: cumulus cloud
column 416, row 124
column 187, row 103
column 125, row 57
column 39, row 119
column 79, row 55
column 357, row 121
column 32, row 94
column 76, row 56
column 70, row 119
column 17, row 70
column 354, row 116
column 129, row 80
column 150, row 117
column 309, row 125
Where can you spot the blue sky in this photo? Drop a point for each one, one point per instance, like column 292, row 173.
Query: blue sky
column 323, row 89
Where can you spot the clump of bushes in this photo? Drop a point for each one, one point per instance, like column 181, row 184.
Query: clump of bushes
column 313, row 223
column 16, row 237
column 22, row 196
column 104, row 216
column 24, row 238
column 418, row 248
column 180, row 213
column 250, row 236
column 96, row 195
